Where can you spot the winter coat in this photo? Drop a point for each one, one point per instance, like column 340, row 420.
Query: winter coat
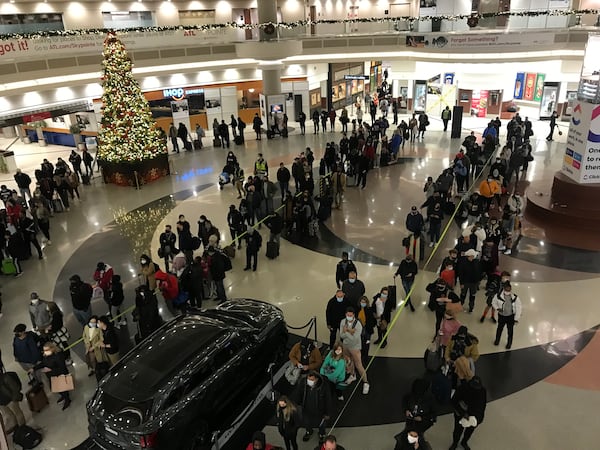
column 336, row 312
column 81, row 295
column 407, row 269
column 471, row 349
column 353, row 292
column 149, row 273
column 343, row 269
column 308, row 355
column 56, row 364
column 26, row 350
column 168, row 285
column 448, row 328
column 288, row 427
column 315, row 401
column 415, row 223
column 94, row 342
column 472, row 395
column 469, row 271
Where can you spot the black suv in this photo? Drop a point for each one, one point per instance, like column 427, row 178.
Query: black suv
column 191, row 377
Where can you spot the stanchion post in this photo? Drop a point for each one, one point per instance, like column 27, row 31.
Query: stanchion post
column 137, row 181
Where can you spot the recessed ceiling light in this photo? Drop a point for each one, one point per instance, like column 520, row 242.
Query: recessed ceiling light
column 12, row 1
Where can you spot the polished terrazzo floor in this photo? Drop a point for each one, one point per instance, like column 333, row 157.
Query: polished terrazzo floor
column 551, row 368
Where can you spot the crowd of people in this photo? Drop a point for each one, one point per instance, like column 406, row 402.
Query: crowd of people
column 28, row 211
column 488, row 219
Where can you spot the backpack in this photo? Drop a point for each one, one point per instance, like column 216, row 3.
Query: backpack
column 434, row 359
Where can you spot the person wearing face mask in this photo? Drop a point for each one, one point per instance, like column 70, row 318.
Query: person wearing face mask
column 469, row 273
column 110, row 340
column 92, row 340
column 449, row 275
column 53, row 364
column 261, row 168
column 508, row 306
column 415, row 225
column 167, row 246
column 25, row 349
column 288, row 422
column 410, row 439
column 38, row 312
column 149, row 269
column 408, row 270
column 383, row 315
column 343, row 269
column 448, row 328
column 335, row 313
column 103, row 277
column 353, row 289
column 334, row 369
column 440, row 296
column 366, row 316
column 419, row 407
column 490, row 189
column 314, row 396
column 350, row 334
column 493, row 287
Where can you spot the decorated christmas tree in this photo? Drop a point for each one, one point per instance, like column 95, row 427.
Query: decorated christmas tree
column 128, row 133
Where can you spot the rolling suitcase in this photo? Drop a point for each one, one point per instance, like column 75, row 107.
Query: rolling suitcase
column 36, row 398
column 238, row 140
column 216, row 142
column 57, row 205
column 85, row 179
column 197, row 145
column 324, row 211
column 188, row 146
column 8, row 267
column 272, row 250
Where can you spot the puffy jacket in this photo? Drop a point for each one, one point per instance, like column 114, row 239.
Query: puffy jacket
column 168, row 285
column 489, row 188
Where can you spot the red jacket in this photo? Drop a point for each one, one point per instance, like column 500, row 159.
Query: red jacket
column 167, row 283
column 104, row 277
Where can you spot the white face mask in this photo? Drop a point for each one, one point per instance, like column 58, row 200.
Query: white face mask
column 352, row 280
column 47, row 353
column 92, row 325
column 340, row 299
column 350, row 318
column 338, row 352
column 35, row 301
column 450, row 268
column 412, row 439
column 507, row 293
column 383, row 295
column 143, row 261
column 363, row 305
column 310, row 383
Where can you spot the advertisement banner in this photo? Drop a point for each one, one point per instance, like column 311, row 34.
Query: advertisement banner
column 491, row 41
column 539, row 87
column 529, row 89
column 479, row 103
column 50, row 47
column 519, row 85
column 582, row 154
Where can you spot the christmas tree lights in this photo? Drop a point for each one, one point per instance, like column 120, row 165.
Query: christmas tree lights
column 128, row 133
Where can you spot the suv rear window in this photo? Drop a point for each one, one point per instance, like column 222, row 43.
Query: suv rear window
column 128, row 414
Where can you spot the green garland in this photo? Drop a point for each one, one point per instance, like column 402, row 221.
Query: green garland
column 300, row 23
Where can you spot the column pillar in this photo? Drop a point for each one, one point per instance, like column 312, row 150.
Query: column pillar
column 271, row 79
column 267, row 12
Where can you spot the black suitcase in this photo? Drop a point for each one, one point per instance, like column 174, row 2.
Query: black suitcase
column 197, row 144
column 284, row 133
column 26, row 437
column 270, row 134
column 188, row 146
column 216, row 142
column 85, row 179
column 238, row 140
column 272, row 250
column 392, row 295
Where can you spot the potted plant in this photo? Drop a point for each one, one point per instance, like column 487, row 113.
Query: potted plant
column 75, row 130
column 38, row 125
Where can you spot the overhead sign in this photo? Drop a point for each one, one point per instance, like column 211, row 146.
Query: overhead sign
column 36, row 117
column 356, row 77
column 582, row 154
column 180, row 93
